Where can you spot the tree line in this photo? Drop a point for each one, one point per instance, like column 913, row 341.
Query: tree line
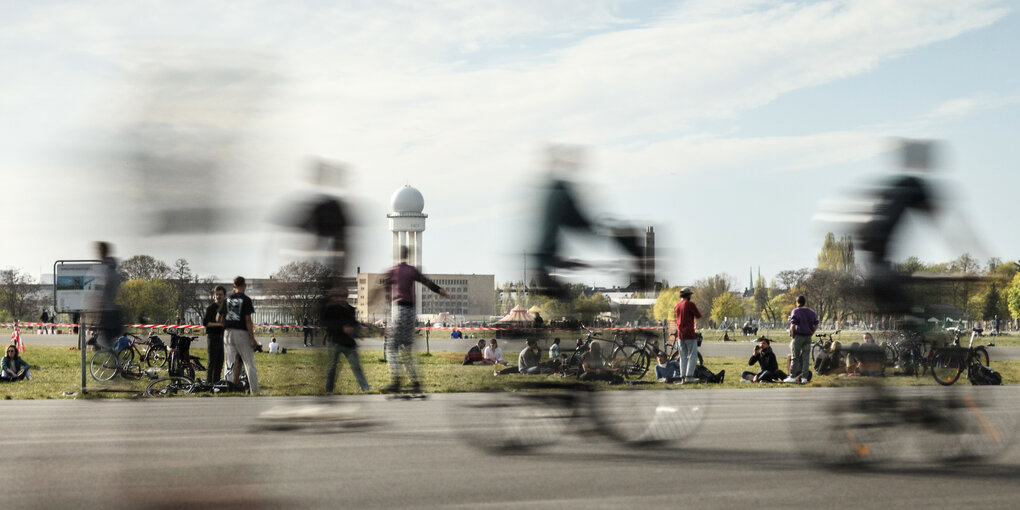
column 170, row 293
column 836, row 290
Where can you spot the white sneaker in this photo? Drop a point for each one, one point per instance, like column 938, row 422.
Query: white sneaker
column 790, row 379
column 746, row 380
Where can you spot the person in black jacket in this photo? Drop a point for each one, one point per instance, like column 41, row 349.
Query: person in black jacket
column 214, row 335
column 766, row 360
column 474, row 355
column 338, row 319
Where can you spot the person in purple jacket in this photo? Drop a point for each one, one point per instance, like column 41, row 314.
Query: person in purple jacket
column 400, row 289
column 803, row 323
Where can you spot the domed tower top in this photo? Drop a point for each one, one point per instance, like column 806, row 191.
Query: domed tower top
column 407, row 200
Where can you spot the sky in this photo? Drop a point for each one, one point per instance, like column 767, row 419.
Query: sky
column 727, row 126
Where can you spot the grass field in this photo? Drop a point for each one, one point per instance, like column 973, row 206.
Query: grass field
column 56, row 374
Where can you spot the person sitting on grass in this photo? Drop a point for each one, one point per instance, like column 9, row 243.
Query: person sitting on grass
column 830, row 361
column 554, row 349
column 666, row 370
column 474, row 355
column 595, row 368
column 493, row 354
column 529, row 358
column 13, row 367
column 766, row 360
column 867, row 359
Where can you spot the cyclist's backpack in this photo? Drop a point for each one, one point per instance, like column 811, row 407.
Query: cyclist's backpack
column 980, row 375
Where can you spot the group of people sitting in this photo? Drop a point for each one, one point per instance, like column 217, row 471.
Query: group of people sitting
column 592, row 366
column 860, row 359
column 668, row 371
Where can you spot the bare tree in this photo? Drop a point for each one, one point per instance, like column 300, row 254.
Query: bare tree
column 300, row 285
column 189, row 295
column 708, row 289
column 143, row 267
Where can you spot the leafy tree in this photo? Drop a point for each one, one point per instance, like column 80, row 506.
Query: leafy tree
column 154, row 297
column 143, row 267
column 707, row 290
column 1013, row 296
column 588, row 308
column 837, row 255
column 911, row 265
column 664, row 304
column 779, row 308
column 726, row 305
column 17, row 291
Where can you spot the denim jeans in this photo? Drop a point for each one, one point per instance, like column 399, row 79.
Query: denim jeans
column 351, row 353
column 688, row 357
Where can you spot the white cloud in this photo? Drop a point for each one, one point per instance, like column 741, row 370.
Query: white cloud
column 457, row 95
column 961, row 106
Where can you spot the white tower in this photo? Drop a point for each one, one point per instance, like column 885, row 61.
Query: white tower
column 407, row 222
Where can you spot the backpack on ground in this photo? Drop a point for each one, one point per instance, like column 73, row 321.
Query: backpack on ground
column 705, row 374
column 980, row 375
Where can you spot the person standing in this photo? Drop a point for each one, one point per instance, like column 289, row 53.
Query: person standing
column 338, row 319
column 803, row 323
column 214, row 335
column 687, row 316
column 400, row 288
column 44, row 322
column 239, row 333
column 307, row 330
column 110, row 314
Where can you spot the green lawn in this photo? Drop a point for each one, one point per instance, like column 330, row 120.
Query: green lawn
column 56, row 374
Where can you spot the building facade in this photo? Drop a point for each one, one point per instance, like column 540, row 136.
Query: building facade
column 472, row 298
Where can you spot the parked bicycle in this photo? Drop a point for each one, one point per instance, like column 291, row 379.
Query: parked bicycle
column 179, row 359
column 950, row 361
column 629, row 352
column 912, row 353
column 154, row 355
column 823, row 343
column 182, row 385
column 106, row 364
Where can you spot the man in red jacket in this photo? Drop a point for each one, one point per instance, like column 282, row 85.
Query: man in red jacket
column 687, row 316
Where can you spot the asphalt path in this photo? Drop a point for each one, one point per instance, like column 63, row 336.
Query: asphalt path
column 208, row 452
column 444, row 343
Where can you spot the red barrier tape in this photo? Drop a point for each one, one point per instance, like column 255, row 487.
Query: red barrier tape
column 298, row 326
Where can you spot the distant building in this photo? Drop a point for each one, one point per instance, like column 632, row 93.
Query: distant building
column 472, row 298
